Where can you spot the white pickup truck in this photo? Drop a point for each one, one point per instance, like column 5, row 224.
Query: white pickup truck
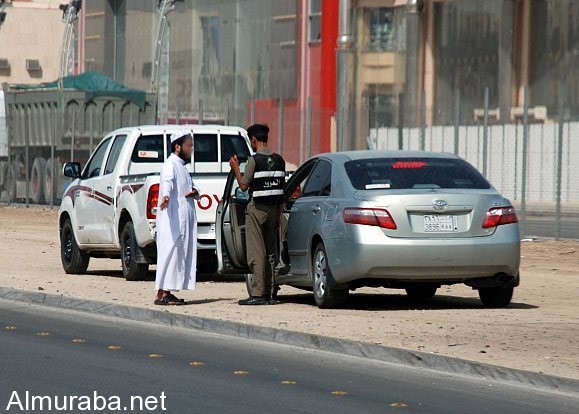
column 110, row 207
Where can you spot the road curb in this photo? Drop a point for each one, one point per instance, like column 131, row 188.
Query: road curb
column 398, row 356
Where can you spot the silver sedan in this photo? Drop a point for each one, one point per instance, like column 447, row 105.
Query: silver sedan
column 403, row 220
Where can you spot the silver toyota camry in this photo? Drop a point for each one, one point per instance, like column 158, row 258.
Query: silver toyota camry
column 405, row 220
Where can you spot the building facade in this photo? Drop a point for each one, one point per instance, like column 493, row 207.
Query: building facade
column 239, row 61
column 30, row 39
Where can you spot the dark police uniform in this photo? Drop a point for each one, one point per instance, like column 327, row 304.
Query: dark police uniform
column 265, row 175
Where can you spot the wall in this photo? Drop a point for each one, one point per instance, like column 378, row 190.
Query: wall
column 32, row 30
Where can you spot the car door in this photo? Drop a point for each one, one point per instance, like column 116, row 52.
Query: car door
column 85, row 199
column 230, row 225
column 306, row 215
column 104, row 188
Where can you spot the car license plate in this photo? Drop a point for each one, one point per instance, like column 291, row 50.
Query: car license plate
column 440, row 223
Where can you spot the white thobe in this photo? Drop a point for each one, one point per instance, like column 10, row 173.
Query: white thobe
column 176, row 229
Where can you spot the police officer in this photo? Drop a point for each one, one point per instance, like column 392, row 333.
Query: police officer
column 264, row 177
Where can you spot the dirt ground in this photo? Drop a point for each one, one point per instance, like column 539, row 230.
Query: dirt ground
column 538, row 332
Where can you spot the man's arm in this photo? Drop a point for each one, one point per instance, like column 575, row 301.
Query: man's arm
column 242, row 180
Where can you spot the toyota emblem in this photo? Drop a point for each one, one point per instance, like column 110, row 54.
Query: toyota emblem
column 439, row 204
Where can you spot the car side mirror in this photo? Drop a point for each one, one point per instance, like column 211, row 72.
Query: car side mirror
column 71, row 169
column 241, row 196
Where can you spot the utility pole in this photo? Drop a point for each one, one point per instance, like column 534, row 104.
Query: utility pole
column 70, row 13
column 344, row 78
column 2, row 12
column 160, row 72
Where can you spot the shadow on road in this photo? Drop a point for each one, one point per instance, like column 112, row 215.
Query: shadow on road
column 399, row 302
column 201, row 277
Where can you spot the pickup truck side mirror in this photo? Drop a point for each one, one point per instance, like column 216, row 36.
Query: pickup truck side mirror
column 71, row 169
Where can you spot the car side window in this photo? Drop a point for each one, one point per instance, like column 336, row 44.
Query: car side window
column 296, row 183
column 93, row 168
column 114, row 154
column 319, row 181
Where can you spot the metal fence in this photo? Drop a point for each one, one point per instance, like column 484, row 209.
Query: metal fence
column 531, row 159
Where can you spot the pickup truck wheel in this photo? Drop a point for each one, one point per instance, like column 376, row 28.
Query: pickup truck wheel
column 74, row 260
column 325, row 296
column 497, row 297
column 132, row 270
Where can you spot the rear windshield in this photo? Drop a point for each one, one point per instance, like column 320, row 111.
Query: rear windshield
column 205, row 147
column 233, row 145
column 413, row 173
column 149, row 148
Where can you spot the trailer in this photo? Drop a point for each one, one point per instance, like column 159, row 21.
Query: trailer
column 50, row 124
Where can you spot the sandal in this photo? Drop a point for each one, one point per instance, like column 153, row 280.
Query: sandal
column 167, row 301
column 174, row 298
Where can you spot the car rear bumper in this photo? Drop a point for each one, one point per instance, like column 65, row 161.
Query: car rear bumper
column 370, row 254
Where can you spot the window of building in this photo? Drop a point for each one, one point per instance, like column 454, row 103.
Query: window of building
column 315, row 21
column 385, row 29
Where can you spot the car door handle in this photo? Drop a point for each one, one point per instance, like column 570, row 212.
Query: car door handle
column 316, row 209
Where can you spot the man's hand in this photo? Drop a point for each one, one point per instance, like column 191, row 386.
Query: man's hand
column 164, row 203
column 193, row 193
column 234, row 163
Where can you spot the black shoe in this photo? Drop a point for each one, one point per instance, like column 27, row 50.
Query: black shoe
column 257, row 300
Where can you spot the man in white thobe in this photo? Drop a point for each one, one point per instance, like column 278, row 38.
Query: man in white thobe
column 176, row 223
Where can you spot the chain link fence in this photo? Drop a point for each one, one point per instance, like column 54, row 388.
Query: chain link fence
column 531, row 159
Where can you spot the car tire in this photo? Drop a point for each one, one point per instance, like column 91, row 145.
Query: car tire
column 325, row 297
column 132, row 270
column 419, row 293
column 74, row 260
column 249, row 280
column 496, row 297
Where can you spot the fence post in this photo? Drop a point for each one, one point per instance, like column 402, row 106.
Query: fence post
column 456, row 119
column 524, row 168
column 485, row 132
column 308, row 128
column 560, row 158
column 423, row 122
column 400, row 121
column 252, row 110
column 27, row 155
column 280, row 126
column 52, row 169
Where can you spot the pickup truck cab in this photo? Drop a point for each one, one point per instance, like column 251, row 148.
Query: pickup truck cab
column 109, row 209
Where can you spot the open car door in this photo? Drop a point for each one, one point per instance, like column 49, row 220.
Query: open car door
column 230, row 228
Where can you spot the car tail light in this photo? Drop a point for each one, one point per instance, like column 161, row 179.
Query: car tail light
column 370, row 217
column 153, row 201
column 498, row 216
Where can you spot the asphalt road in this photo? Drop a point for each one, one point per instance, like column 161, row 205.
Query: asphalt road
column 54, row 353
